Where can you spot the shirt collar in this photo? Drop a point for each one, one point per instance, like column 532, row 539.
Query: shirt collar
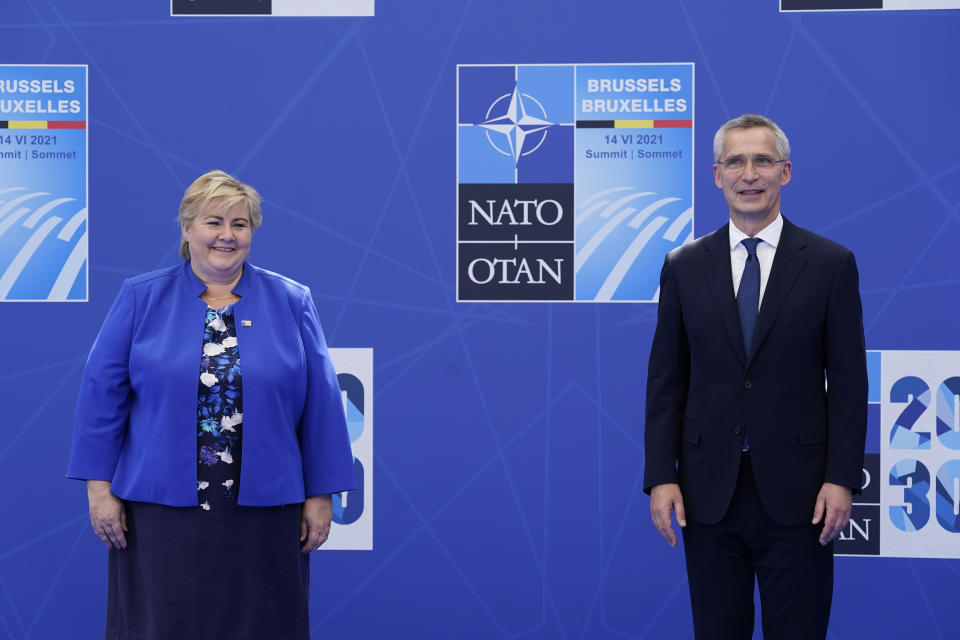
column 769, row 234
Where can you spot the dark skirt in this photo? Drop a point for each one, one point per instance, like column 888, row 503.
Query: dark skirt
column 188, row 573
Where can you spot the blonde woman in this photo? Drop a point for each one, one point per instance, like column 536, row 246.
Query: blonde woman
column 211, row 435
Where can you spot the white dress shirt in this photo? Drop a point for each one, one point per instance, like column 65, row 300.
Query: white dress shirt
column 767, row 247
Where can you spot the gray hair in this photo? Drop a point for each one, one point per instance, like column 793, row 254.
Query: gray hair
column 220, row 190
column 749, row 121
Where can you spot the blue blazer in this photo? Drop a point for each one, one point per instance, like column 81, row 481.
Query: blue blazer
column 136, row 420
column 703, row 390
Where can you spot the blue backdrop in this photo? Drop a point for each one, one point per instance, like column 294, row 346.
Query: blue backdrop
column 509, row 436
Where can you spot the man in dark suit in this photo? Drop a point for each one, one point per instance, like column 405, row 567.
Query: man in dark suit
column 756, row 401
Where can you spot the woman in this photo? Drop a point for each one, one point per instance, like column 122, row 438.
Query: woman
column 210, row 432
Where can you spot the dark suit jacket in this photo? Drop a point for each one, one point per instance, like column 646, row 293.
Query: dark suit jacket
column 703, row 390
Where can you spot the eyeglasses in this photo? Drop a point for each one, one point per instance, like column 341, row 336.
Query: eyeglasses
column 739, row 163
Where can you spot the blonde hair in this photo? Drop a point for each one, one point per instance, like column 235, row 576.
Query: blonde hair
column 220, row 190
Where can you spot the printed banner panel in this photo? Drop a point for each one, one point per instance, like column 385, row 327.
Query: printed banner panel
column 910, row 505
column 573, row 181
column 875, row 5
column 43, row 183
column 352, row 527
column 290, row 8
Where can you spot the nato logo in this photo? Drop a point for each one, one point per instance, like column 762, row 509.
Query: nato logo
column 222, row 7
column 281, row 8
column 515, row 137
column 43, row 246
column 866, row 5
column 515, row 124
column 830, row 5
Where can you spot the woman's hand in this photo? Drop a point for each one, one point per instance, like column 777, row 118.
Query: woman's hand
column 107, row 516
column 315, row 515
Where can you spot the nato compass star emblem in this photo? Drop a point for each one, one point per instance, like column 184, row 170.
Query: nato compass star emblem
column 517, row 130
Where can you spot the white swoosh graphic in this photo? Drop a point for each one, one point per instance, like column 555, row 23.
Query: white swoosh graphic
column 623, row 264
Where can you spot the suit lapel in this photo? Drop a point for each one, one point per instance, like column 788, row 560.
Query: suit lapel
column 788, row 262
column 715, row 261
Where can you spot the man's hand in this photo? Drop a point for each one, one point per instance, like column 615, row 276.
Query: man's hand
column 665, row 498
column 107, row 516
column 315, row 515
column 834, row 503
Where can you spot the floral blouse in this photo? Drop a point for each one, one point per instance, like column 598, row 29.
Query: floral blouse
column 219, row 412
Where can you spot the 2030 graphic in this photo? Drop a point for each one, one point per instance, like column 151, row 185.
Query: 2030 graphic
column 913, row 491
column 353, row 510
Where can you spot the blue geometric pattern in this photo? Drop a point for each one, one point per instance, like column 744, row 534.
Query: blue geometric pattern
column 508, row 459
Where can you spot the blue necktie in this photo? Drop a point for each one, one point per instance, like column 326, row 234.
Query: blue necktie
column 748, row 295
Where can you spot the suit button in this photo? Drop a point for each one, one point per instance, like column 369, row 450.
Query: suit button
column 738, row 430
column 747, row 384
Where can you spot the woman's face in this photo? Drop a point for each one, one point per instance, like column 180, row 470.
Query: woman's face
column 219, row 241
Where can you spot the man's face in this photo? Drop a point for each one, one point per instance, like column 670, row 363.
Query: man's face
column 752, row 193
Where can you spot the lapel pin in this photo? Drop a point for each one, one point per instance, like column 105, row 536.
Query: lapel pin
column 246, row 323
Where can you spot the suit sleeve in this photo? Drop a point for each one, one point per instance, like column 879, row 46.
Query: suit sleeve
column 103, row 405
column 846, row 370
column 324, row 441
column 668, row 377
